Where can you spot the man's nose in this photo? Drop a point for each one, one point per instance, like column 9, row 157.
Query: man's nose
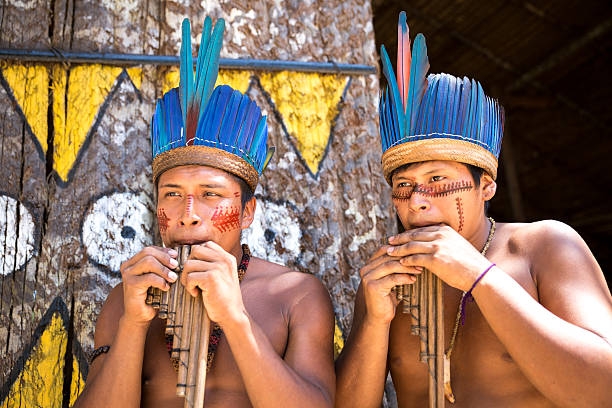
column 189, row 216
column 419, row 202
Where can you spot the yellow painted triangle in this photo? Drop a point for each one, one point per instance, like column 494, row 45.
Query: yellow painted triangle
column 238, row 80
column 40, row 382
column 338, row 341
column 78, row 383
column 75, row 106
column 136, row 76
column 308, row 104
column 30, row 86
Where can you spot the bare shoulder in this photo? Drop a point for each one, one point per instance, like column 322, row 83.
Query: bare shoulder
column 569, row 280
column 293, row 287
column 542, row 239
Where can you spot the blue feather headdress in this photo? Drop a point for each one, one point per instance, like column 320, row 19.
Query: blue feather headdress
column 194, row 124
column 440, row 117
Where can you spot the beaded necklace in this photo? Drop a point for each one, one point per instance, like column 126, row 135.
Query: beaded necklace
column 448, row 392
column 216, row 333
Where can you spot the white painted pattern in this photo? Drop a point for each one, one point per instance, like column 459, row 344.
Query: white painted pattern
column 282, row 244
column 11, row 236
column 116, row 227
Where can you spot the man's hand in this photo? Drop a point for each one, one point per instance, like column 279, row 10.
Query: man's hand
column 378, row 277
column 213, row 270
column 443, row 251
column 151, row 267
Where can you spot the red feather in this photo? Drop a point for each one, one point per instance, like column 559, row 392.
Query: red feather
column 403, row 58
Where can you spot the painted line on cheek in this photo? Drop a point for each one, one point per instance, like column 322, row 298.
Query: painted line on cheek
column 460, row 213
column 226, row 218
column 237, row 194
column 162, row 220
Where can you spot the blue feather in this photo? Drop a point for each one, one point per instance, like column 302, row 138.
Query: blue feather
column 186, row 71
column 396, row 100
column 211, row 62
column 465, row 106
column 419, row 66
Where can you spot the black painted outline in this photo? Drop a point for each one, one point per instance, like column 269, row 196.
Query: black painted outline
column 99, row 116
column 90, row 202
column 279, row 118
column 58, row 305
column 94, row 127
column 21, row 114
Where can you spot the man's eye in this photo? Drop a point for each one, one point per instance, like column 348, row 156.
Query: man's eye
column 172, row 194
column 404, row 184
column 210, row 194
column 437, row 178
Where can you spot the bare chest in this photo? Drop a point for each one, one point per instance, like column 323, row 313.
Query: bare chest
column 224, row 385
column 483, row 373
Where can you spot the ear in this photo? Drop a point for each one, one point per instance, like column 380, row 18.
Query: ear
column 488, row 186
column 248, row 213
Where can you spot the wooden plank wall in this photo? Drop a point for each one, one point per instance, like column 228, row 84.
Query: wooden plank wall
column 76, row 197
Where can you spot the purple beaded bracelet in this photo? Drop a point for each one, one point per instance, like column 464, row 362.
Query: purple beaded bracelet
column 467, row 296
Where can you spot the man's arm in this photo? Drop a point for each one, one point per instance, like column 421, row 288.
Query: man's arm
column 305, row 376
column 564, row 344
column 115, row 379
column 361, row 368
column 561, row 343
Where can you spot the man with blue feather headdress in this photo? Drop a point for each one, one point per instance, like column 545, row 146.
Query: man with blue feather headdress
column 527, row 312
column 272, row 331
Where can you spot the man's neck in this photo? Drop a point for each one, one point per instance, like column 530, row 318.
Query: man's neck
column 479, row 238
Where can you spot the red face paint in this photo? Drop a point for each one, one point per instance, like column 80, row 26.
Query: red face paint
column 226, row 218
column 237, row 194
column 443, row 190
column 189, row 206
column 162, row 220
column 460, row 213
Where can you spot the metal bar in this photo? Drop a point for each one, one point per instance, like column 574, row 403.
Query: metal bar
column 142, row 59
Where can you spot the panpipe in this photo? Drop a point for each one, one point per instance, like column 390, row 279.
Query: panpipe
column 424, row 302
column 189, row 325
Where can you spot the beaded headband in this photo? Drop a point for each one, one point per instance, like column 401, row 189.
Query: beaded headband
column 194, row 125
column 440, row 117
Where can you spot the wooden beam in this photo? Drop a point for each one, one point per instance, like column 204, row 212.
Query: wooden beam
column 437, row 24
column 565, row 52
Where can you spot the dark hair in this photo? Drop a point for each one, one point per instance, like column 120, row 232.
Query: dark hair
column 245, row 191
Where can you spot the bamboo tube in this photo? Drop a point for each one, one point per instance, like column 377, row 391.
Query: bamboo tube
column 203, row 359
column 194, row 347
column 422, row 327
column 184, row 344
column 417, row 301
column 439, row 349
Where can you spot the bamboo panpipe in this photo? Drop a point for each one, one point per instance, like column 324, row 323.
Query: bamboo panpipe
column 424, row 302
column 189, row 324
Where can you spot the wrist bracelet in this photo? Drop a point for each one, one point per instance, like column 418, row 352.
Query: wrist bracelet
column 467, row 296
column 97, row 352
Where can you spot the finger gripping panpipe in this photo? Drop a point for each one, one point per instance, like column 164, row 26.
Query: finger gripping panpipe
column 423, row 301
column 188, row 324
